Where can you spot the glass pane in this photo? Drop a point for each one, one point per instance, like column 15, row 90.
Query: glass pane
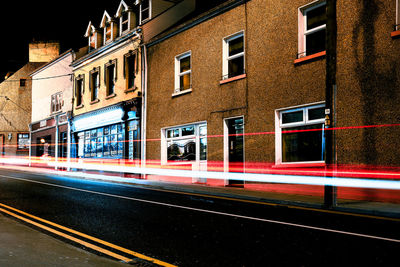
column 145, row 4
column 113, row 145
column 145, row 14
column 203, row 148
column 203, row 130
column 93, row 147
column 185, row 64
column 106, row 130
column 315, row 42
column 185, row 82
column 113, row 129
column 100, row 132
column 182, row 150
column 100, row 147
column 236, row 46
column 120, row 128
column 290, row 117
column 173, row 133
column 301, row 145
column 120, row 144
column 316, row 17
column 93, row 133
column 188, row 130
column 316, row 113
column 236, row 67
column 106, row 145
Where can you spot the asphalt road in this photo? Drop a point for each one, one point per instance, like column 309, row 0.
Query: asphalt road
column 193, row 230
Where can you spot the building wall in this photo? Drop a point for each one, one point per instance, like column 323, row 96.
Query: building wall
column 15, row 114
column 52, row 79
column 43, row 51
column 273, row 80
column 121, row 94
column 368, row 82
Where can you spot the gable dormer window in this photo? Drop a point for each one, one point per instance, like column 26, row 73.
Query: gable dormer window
column 108, row 28
column 93, row 36
column 145, row 11
column 108, row 32
column 124, row 20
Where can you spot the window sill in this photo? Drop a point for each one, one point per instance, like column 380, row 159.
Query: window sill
column 130, row 90
column 80, row 106
column 310, row 58
column 239, row 77
column 94, row 101
column 187, row 91
column 395, row 34
column 299, row 165
column 111, row 96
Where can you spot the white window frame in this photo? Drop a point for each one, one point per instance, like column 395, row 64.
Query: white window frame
column 141, row 11
column 106, row 41
column 53, row 100
column 121, row 21
column 196, row 137
column 178, row 74
column 302, row 21
column 225, row 53
column 279, row 126
column 114, row 78
column 95, row 86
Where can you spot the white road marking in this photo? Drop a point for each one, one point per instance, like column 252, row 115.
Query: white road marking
column 211, row 211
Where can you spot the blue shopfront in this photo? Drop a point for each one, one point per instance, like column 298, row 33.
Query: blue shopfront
column 108, row 133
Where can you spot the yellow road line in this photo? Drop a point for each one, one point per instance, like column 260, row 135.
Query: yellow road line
column 127, row 251
column 86, row 244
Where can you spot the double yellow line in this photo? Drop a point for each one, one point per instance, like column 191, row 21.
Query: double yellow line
column 8, row 210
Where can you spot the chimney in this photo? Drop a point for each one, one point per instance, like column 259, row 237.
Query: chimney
column 43, row 51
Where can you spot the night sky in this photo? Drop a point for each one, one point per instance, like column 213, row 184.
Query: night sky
column 64, row 21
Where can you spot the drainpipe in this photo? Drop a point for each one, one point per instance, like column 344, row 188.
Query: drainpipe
column 330, row 91
column 144, row 106
column 56, row 143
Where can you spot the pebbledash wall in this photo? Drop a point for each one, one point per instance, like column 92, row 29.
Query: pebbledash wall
column 278, row 80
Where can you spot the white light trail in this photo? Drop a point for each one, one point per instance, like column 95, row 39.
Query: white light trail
column 249, row 177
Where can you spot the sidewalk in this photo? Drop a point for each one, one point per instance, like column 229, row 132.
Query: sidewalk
column 22, row 246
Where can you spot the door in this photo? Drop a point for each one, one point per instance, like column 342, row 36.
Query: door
column 235, row 147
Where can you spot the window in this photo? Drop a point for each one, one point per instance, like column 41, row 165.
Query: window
column 110, row 77
column 94, row 83
column 312, row 28
column 301, row 134
column 56, row 102
column 145, row 10
column 108, row 27
column 22, row 82
column 104, row 142
column 79, row 90
column 124, row 22
column 130, row 69
column 23, row 141
column 108, row 32
column 233, row 56
column 185, row 143
column 183, row 72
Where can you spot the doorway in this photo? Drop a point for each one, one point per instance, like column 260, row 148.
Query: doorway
column 234, row 148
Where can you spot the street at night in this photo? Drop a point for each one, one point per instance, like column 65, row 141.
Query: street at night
column 187, row 229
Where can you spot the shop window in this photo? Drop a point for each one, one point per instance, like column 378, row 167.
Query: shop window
column 56, row 102
column 104, row 142
column 130, row 70
column 233, row 56
column 183, row 72
column 185, row 143
column 301, row 134
column 145, row 11
column 23, row 141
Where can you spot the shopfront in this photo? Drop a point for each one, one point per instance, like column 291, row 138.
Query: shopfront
column 108, row 133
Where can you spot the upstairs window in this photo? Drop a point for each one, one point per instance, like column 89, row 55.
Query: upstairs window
column 94, row 83
column 110, row 77
column 145, row 10
column 22, row 83
column 183, row 72
column 312, row 28
column 124, row 21
column 108, row 32
column 56, row 102
column 130, row 70
column 233, row 56
column 79, row 90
